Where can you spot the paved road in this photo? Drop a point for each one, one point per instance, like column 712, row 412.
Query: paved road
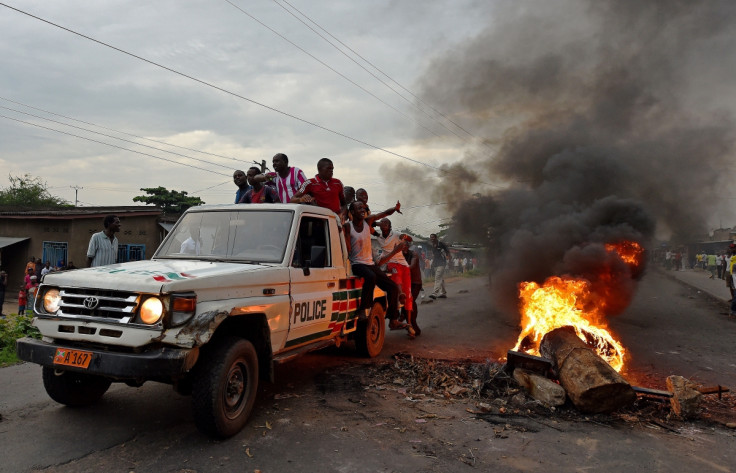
column 327, row 413
column 701, row 280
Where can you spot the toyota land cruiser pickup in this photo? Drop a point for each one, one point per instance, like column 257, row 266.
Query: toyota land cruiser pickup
column 231, row 290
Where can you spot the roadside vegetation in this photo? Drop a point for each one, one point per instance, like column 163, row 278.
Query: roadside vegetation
column 12, row 328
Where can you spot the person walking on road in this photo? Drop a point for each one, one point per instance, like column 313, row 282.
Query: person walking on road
column 711, row 265
column 729, row 268
column 440, row 260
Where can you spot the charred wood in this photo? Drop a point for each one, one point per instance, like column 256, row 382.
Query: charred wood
column 591, row 384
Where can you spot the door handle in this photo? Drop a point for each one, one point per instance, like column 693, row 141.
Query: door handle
column 330, row 284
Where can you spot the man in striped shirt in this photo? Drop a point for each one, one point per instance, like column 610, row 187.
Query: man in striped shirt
column 103, row 246
column 288, row 179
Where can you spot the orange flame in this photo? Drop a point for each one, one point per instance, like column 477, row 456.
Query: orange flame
column 562, row 301
column 629, row 251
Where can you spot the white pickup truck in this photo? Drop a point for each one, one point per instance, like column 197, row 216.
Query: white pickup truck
column 232, row 290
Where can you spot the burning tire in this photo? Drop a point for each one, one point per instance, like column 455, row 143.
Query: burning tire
column 224, row 387
column 372, row 332
column 74, row 389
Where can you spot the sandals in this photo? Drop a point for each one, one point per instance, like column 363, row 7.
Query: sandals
column 396, row 325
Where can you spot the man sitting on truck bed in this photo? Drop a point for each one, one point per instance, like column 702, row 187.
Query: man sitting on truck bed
column 358, row 241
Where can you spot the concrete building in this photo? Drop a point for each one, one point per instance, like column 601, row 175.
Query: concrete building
column 62, row 236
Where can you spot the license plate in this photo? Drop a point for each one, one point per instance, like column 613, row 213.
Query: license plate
column 76, row 358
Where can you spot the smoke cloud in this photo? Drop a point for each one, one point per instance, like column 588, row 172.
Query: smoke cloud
column 595, row 121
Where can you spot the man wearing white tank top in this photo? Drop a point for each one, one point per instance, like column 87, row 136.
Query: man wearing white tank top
column 358, row 241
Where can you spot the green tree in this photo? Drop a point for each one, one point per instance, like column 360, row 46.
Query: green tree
column 170, row 201
column 29, row 192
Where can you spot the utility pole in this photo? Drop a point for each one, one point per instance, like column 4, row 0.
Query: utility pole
column 76, row 193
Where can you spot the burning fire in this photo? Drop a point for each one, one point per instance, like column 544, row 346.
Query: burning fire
column 562, row 301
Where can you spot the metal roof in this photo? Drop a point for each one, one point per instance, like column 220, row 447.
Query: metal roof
column 7, row 241
column 82, row 212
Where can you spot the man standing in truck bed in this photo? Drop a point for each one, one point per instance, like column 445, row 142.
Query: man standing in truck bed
column 323, row 189
column 288, row 179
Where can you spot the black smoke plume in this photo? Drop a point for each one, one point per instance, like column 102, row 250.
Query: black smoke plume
column 593, row 121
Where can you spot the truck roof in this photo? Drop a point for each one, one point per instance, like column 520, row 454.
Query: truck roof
column 301, row 208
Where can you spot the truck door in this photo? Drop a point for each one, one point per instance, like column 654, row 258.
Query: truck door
column 314, row 279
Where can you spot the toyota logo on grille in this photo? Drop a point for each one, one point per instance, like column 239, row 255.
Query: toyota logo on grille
column 91, row 302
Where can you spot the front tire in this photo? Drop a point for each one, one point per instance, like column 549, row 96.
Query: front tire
column 224, row 387
column 371, row 333
column 74, row 389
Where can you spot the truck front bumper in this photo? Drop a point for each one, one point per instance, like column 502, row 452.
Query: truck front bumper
column 158, row 364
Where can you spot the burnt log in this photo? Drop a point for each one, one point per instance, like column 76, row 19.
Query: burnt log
column 591, row 384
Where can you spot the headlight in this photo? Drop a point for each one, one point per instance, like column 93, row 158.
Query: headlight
column 151, row 310
column 51, row 301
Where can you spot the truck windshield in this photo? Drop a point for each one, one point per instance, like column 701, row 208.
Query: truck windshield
column 252, row 235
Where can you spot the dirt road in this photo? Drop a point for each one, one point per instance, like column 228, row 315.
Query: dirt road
column 332, row 411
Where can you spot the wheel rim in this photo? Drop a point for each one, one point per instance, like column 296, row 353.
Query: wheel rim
column 374, row 330
column 235, row 388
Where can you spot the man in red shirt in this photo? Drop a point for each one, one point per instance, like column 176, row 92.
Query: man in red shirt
column 323, row 189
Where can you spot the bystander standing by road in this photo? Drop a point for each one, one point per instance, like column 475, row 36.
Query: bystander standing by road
column 103, row 246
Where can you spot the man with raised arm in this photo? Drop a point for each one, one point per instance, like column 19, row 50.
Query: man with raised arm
column 393, row 258
column 259, row 193
column 358, row 241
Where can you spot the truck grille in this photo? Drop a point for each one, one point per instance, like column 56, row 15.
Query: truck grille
column 112, row 306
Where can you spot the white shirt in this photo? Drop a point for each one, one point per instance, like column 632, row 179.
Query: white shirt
column 388, row 244
column 190, row 247
column 289, row 185
column 102, row 250
column 360, row 245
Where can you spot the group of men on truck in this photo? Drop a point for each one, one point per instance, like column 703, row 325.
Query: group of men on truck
column 288, row 184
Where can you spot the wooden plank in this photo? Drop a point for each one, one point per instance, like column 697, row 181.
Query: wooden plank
column 535, row 364
column 652, row 392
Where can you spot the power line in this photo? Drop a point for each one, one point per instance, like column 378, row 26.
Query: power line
column 118, row 131
column 376, row 68
column 353, row 60
column 116, row 138
column 221, row 89
column 331, row 68
column 112, row 145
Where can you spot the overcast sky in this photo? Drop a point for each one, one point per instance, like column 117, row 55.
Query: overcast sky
column 236, row 81
column 220, row 43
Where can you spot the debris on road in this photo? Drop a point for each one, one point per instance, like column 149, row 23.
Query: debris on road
column 500, row 399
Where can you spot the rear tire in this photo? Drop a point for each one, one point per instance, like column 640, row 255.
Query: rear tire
column 224, row 387
column 74, row 389
column 371, row 333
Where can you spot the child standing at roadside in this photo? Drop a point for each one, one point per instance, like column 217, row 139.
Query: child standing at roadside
column 22, row 300
column 32, row 294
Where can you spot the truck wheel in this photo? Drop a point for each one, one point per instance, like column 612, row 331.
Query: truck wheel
column 74, row 389
column 372, row 332
column 224, row 387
